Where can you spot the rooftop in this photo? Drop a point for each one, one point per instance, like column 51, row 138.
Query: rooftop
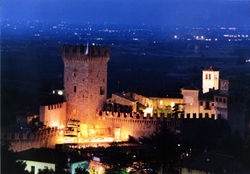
column 210, row 69
column 49, row 156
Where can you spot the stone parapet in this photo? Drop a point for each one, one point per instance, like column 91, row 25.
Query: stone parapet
column 84, row 53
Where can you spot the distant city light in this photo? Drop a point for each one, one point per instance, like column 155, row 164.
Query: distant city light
column 60, row 92
column 231, row 28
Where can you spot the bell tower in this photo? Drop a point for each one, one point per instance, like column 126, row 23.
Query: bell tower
column 210, row 80
column 85, row 80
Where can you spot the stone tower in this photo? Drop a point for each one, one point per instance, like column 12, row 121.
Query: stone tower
column 85, row 80
column 210, row 80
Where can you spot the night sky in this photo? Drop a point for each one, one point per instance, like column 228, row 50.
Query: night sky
column 150, row 12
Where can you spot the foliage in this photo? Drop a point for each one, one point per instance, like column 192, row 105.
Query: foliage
column 162, row 151
column 117, row 159
column 245, row 155
column 9, row 163
column 46, row 171
column 115, row 171
column 211, row 135
column 79, row 170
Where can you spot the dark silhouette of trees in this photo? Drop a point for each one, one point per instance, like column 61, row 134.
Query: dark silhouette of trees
column 210, row 134
column 46, row 171
column 9, row 163
column 162, row 150
column 116, row 159
column 79, row 170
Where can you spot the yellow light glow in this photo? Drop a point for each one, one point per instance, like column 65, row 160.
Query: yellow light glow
column 172, row 104
column 91, row 131
column 148, row 111
column 117, row 133
column 54, row 124
column 161, row 102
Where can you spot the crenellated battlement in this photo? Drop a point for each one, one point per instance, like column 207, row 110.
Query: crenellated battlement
column 79, row 53
column 20, row 141
column 137, row 116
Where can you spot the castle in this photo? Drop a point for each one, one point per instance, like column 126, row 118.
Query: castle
column 128, row 114
column 86, row 112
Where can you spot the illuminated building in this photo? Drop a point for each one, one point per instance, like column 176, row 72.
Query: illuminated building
column 210, row 80
column 39, row 159
column 101, row 120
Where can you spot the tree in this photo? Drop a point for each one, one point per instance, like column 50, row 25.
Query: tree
column 46, row 170
column 162, row 153
column 79, row 170
column 117, row 159
column 9, row 163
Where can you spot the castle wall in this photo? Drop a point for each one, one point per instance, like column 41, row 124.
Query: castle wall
column 221, row 106
column 76, row 89
column 207, row 109
column 26, row 140
column 53, row 115
column 224, row 86
column 134, row 124
column 191, row 102
column 85, row 81
column 97, row 86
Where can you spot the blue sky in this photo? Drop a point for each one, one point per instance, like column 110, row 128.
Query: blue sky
column 153, row 12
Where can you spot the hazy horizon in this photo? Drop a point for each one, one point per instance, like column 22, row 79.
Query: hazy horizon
column 149, row 12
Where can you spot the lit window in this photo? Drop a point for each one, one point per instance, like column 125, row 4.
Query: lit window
column 161, row 102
